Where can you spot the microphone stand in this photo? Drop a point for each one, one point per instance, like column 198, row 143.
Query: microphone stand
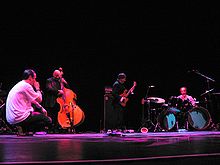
column 208, row 79
column 147, row 121
column 208, row 92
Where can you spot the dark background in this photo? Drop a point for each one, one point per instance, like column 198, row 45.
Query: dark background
column 153, row 42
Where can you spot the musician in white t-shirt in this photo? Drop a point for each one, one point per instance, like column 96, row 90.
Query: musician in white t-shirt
column 187, row 102
column 23, row 106
column 184, row 104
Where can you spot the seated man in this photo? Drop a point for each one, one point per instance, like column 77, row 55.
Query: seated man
column 185, row 103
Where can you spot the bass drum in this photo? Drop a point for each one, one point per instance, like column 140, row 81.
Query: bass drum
column 166, row 120
column 199, row 118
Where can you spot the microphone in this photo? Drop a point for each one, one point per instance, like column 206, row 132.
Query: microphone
column 151, row 86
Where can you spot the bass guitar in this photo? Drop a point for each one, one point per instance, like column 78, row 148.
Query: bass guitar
column 126, row 94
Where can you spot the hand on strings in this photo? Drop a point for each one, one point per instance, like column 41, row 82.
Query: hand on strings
column 63, row 81
column 60, row 92
column 122, row 99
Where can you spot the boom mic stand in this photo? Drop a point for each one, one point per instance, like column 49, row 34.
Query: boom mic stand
column 208, row 92
column 208, row 79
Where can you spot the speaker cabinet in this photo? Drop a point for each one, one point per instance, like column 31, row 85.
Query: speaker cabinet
column 109, row 114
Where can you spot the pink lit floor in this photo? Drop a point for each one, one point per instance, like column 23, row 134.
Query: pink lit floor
column 197, row 147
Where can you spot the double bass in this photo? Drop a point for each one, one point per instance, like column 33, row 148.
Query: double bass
column 70, row 114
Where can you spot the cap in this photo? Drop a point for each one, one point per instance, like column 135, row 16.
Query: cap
column 121, row 75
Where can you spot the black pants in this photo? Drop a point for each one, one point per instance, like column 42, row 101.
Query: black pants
column 53, row 113
column 182, row 119
column 36, row 121
column 119, row 116
column 181, row 116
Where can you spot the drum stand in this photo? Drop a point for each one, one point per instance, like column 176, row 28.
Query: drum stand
column 157, row 127
column 148, row 121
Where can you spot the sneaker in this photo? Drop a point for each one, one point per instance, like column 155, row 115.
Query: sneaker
column 40, row 133
column 182, row 130
column 109, row 131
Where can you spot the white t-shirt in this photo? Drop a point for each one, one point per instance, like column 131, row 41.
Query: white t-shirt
column 189, row 98
column 18, row 102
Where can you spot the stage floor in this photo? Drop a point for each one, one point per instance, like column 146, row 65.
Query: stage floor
column 200, row 147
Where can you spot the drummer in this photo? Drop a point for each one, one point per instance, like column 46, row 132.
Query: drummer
column 186, row 102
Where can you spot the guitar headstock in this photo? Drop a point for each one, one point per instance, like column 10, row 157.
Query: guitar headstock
column 135, row 83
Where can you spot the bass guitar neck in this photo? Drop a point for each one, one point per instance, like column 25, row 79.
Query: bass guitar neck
column 126, row 94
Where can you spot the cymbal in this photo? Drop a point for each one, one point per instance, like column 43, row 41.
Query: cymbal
column 156, row 100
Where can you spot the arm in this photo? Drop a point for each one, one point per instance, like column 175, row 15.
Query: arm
column 39, row 108
column 116, row 93
column 38, row 91
column 52, row 87
column 192, row 100
column 65, row 83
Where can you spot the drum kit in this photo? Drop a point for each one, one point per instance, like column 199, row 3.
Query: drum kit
column 175, row 113
column 166, row 116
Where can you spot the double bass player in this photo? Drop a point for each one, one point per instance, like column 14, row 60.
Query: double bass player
column 70, row 114
column 61, row 103
column 53, row 90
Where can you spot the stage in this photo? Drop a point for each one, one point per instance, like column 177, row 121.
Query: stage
column 197, row 147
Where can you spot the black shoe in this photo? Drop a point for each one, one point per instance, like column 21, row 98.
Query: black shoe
column 20, row 131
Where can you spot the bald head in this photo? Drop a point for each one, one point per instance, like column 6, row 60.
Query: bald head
column 56, row 74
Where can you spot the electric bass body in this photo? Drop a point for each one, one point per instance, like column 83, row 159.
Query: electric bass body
column 126, row 93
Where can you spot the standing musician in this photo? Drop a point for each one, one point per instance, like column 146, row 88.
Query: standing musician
column 54, row 90
column 119, row 93
column 63, row 82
